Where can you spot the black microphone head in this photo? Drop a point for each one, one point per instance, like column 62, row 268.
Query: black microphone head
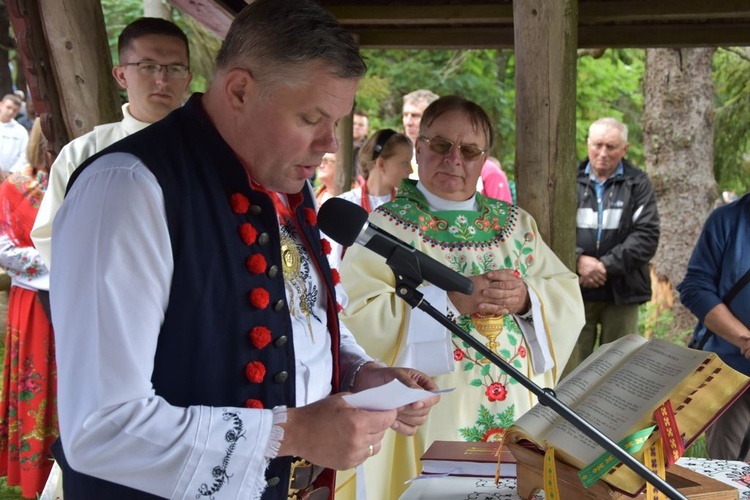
column 342, row 220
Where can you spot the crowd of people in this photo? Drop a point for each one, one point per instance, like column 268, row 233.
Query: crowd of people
column 156, row 384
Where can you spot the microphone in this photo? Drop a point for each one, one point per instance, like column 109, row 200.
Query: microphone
column 346, row 223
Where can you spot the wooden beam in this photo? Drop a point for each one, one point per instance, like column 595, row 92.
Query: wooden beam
column 81, row 62
column 665, row 35
column 213, row 14
column 611, row 23
column 630, row 36
column 436, row 38
column 624, row 11
column 590, row 12
column 421, row 15
column 545, row 32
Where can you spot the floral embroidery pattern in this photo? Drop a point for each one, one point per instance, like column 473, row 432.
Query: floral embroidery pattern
column 27, row 397
column 462, row 230
column 32, row 185
column 451, row 230
column 489, row 427
column 524, row 258
column 302, row 298
column 473, row 242
column 495, row 387
column 219, row 472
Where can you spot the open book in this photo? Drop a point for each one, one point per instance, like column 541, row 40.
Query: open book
column 617, row 390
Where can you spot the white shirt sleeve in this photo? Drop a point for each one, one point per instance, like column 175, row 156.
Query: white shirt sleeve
column 109, row 291
column 428, row 344
column 62, row 168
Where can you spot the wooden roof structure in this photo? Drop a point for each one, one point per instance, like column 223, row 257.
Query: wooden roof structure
column 489, row 23
column 63, row 44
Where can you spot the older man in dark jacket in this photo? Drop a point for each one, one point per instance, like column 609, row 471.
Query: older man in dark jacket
column 617, row 232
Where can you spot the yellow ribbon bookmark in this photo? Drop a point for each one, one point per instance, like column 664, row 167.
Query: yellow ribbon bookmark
column 551, row 491
column 655, row 462
column 499, row 455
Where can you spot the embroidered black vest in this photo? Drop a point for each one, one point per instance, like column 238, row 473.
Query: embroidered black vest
column 217, row 221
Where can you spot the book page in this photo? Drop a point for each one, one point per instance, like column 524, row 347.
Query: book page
column 538, row 421
column 626, row 397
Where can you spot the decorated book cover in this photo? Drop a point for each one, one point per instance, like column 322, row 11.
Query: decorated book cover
column 462, row 458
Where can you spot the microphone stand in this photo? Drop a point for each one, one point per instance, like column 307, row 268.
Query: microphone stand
column 408, row 277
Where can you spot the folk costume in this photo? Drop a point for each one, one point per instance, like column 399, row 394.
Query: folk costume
column 28, row 408
column 215, row 312
column 472, row 238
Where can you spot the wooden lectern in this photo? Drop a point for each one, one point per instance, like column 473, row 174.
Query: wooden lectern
column 530, row 481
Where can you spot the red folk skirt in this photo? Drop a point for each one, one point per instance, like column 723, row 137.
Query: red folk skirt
column 28, row 405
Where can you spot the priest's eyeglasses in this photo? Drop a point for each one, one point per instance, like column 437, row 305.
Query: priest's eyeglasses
column 444, row 147
column 148, row 68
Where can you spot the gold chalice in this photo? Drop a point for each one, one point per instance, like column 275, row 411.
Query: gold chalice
column 490, row 326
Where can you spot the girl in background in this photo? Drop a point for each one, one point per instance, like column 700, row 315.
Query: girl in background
column 384, row 160
column 28, row 405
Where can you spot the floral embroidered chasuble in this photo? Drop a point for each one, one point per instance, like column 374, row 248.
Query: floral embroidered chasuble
column 486, row 400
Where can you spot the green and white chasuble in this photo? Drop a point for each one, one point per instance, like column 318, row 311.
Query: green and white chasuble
column 472, row 238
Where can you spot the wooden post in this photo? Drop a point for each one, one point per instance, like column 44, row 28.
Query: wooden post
column 345, row 155
column 545, row 33
column 81, row 62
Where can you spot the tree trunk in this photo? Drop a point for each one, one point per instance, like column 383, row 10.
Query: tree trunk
column 157, row 8
column 678, row 122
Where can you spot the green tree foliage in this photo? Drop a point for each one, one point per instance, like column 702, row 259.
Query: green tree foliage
column 731, row 69
column 611, row 85
column 484, row 76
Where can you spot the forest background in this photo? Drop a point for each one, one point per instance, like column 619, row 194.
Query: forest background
column 610, row 82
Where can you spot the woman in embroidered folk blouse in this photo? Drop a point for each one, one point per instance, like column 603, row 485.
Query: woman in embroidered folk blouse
column 28, row 409
column 526, row 305
column 385, row 160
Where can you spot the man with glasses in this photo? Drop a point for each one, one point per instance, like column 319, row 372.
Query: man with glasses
column 154, row 71
column 526, row 306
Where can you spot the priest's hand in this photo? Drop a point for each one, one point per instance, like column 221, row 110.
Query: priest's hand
column 495, row 292
column 333, row 434
column 411, row 416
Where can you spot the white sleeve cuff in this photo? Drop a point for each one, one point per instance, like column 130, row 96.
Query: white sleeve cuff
column 539, row 349
column 428, row 345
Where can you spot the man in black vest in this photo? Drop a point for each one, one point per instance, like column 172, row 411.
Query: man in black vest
column 198, row 345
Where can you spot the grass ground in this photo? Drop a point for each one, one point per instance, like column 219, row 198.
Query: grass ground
column 9, row 492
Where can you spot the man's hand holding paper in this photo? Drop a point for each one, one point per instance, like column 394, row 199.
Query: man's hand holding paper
column 411, row 392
